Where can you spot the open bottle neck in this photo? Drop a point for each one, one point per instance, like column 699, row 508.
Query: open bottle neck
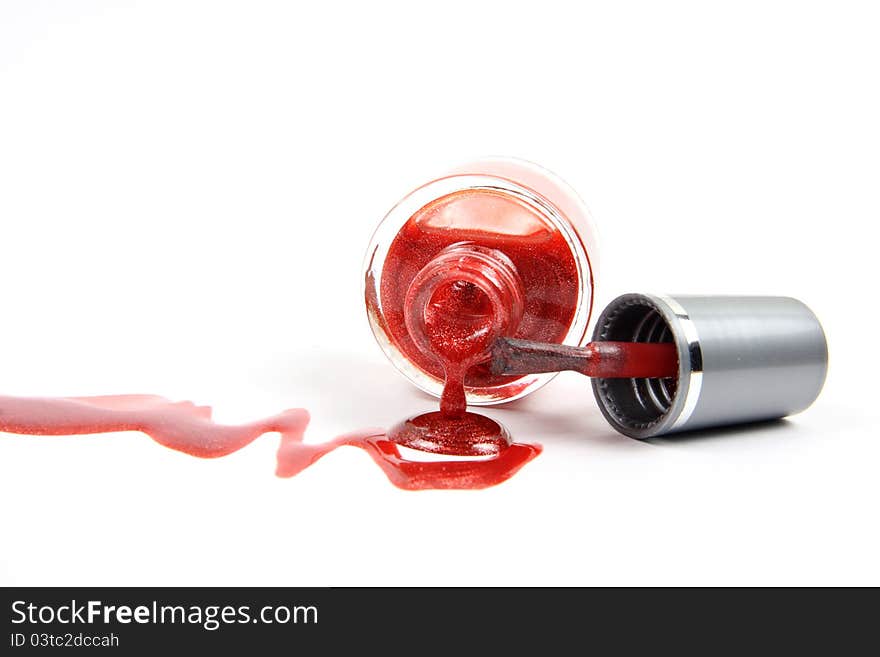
column 461, row 301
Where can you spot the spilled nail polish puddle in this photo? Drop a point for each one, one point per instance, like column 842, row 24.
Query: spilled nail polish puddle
column 449, row 295
column 455, row 308
column 458, row 338
column 188, row 428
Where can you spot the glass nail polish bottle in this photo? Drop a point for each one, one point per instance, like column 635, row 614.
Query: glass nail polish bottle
column 497, row 247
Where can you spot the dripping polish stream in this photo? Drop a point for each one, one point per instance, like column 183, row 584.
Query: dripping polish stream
column 456, row 307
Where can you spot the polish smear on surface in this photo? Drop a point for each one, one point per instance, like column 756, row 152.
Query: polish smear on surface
column 188, row 428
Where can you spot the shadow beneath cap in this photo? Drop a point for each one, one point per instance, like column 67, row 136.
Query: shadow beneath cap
column 749, row 429
column 560, row 420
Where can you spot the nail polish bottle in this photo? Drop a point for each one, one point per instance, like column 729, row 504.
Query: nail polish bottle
column 507, row 245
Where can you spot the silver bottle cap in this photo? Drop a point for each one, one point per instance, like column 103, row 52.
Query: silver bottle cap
column 741, row 359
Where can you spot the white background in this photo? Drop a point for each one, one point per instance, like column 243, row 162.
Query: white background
column 186, row 193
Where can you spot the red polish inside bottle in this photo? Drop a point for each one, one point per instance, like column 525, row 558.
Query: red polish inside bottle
column 532, row 273
column 500, row 248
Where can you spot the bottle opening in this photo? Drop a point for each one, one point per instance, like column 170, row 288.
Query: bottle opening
column 461, row 302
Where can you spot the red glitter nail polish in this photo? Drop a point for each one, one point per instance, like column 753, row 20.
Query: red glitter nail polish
column 497, row 247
